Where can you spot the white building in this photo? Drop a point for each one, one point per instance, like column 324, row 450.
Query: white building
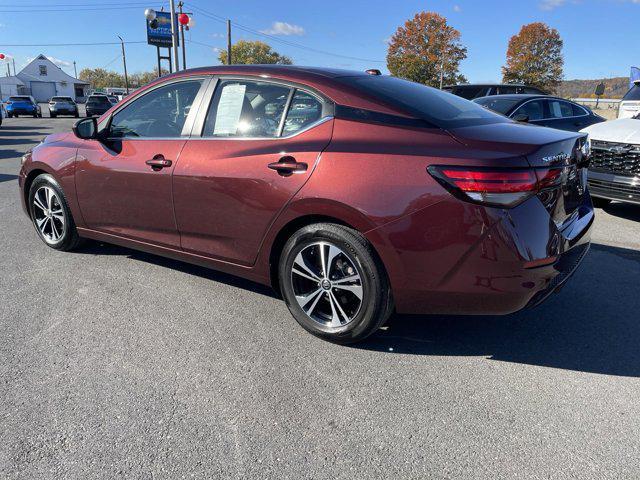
column 43, row 79
column 11, row 86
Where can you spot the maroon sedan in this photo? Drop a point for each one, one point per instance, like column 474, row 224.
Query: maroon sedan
column 353, row 194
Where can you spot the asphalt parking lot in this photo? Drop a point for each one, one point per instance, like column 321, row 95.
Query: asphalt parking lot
column 119, row 364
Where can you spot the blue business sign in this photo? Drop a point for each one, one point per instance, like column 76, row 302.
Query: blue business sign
column 159, row 30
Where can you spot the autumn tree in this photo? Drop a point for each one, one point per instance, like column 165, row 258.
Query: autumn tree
column 245, row 52
column 100, row 78
column 427, row 50
column 534, row 57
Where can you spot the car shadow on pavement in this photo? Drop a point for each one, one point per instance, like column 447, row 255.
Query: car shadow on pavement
column 98, row 248
column 7, row 178
column 592, row 325
column 624, row 210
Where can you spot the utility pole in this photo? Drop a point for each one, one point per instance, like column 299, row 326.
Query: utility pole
column 228, row 42
column 75, row 70
column 174, row 36
column 124, row 61
column 184, row 53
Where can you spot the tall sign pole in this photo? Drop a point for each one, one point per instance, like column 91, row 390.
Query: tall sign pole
column 174, row 36
column 124, row 61
column 228, row 42
column 184, row 52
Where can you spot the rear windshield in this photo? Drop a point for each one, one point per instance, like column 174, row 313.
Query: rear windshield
column 442, row 109
column 98, row 100
column 632, row 94
column 497, row 104
column 19, row 99
column 61, row 99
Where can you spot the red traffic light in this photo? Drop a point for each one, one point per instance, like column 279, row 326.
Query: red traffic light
column 1, row 56
column 183, row 18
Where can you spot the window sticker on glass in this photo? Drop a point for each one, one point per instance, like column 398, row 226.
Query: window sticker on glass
column 229, row 109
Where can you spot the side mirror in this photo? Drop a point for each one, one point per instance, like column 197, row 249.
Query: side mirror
column 86, row 129
column 521, row 117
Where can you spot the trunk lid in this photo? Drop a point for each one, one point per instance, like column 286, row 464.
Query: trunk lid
column 557, row 152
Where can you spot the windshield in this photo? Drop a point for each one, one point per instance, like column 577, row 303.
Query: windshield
column 500, row 105
column 442, row 109
column 632, row 94
column 19, row 99
column 61, row 99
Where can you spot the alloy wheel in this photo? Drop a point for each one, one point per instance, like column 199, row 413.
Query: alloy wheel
column 48, row 214
column 327, row 284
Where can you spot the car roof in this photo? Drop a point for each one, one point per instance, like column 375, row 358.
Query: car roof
column 522, row 96
column 284, row 70
column 493, row 85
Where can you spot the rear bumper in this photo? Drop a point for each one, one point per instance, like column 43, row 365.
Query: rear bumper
column 22, row 111
column 615, row 187
column 459, row 258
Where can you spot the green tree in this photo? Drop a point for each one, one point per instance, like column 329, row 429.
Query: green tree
column 426, row 49
column 245, row 52
column 534, row 57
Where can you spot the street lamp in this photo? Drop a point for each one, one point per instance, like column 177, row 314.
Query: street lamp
column 150, row 15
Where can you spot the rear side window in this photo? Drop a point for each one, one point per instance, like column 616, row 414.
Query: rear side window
column 435, row 106
column 508, row 90
column 304, row 110
column 560, row 109
column 246, row 109
column 632, row 94
column 160, row 113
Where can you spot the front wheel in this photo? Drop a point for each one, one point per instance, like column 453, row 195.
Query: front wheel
column 600, row 202
column 334, row 284
column 51, row 215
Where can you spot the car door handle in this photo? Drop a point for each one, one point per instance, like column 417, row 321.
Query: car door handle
column 158, row 162
column 288, row 166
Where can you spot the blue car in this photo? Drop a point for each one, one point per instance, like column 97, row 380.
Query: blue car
column 22, row 105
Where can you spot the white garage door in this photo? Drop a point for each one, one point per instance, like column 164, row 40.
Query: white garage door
column 43, row 91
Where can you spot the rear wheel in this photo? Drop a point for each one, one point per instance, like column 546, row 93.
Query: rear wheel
column 52, row 115
column 51, row 215
column 334, row 284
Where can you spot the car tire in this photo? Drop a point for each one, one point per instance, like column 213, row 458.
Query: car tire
column 52, row 115
column 51, row 215
column 348, row 298
column 77, row 115
column 600, row 202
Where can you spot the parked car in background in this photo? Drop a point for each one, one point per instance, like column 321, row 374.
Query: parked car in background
column 257, row 170
column 97, row 105
column 22, row 105
column 543, row 110
column 3, row 112
column 63, row 106
column 630, row 103
column 614, row 171
column 471, row 91
column 113, row 99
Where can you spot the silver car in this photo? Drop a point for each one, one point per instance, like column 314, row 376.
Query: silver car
column 63, row 106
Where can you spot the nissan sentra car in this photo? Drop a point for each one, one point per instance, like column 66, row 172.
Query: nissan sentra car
column 353, row 194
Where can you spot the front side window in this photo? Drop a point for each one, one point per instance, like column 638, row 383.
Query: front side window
column 160, row 113
column 242, row 108
column 533, row 109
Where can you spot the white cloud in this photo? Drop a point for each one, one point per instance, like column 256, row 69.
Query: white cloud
column 457, row 8
column 283, row 28
column 551, row 4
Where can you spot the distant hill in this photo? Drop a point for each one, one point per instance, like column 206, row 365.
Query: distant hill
column 613, row 88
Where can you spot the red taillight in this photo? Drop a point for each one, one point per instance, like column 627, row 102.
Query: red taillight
column 504, row 187
column 491, row 181
column 8, row 102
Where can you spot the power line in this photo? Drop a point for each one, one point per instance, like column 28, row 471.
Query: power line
column 218, row 18
column 66, row 44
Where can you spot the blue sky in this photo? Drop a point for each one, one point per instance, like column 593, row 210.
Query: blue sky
column 600, row 36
